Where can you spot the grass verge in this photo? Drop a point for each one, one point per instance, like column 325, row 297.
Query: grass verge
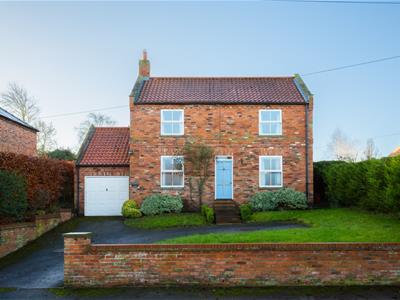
column 326, row 225
column 167, row 221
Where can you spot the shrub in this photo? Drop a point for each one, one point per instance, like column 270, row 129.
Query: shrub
column 208, row 213
column 13, row 200
column 372, row 184
column 263, row 201
column 157, row 204
column 245, row 212
column 291, row 199
column 130, row 209
column 53, row 176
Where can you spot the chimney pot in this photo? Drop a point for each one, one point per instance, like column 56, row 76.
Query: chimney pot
column 144, row 65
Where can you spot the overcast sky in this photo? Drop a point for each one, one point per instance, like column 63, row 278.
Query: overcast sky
column 82, row 56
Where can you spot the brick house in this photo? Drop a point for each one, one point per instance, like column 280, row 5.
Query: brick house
column 17, row 136
column 260, row 129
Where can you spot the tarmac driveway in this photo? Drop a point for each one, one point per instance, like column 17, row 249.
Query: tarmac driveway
column 40, row 264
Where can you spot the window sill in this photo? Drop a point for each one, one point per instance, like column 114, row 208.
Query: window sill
column 172, row 187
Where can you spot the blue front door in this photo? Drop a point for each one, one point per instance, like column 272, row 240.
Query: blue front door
column 223, row 178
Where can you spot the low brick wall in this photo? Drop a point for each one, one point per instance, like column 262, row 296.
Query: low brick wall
column 16, row 235
column 264, row 264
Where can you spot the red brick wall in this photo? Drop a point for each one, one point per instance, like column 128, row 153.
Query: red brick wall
column 230, row 130
column 17, row 139
column 94, row 171
column 16, row 235
column 228, row 264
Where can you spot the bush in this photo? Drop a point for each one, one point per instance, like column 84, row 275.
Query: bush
column 157, row 204
column 372, row 184
column 245, row 212
column 13, row 202
column 52, row 176
column 281, row 199
column 208, row 213
column 130, row 209
column 290, row 199
column 263, row 201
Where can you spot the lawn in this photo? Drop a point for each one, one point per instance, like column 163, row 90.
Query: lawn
column 167, row 221
column 326, row 225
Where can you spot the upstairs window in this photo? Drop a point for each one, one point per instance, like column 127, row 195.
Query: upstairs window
column 270, row 122
column 172, row 171
column 172, row 122
column 270, row 171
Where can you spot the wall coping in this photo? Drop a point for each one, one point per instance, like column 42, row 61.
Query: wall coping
column 74, row 235
column 16, row 225
column 100, row 248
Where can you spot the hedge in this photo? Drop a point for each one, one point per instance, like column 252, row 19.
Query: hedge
column 48, row 181
column 372, row 184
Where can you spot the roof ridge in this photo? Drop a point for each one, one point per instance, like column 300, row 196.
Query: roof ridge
column 111, row 127
column 223, row 77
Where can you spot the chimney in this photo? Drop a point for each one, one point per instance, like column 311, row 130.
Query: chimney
column 144, row 66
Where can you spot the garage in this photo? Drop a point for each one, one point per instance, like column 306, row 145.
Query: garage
column 102, row 172
column 104, row 195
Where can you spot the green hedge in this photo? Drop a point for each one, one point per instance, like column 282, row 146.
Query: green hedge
column 13, row 196
column 281, row 199
column 372, row 184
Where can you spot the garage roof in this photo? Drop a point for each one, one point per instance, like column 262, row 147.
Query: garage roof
column 105, row 146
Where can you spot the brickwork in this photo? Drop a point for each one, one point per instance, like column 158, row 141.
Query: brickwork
column 87, row 265
column 94, row 171
column 16, row 138
column 16, row 235
column 230, row 130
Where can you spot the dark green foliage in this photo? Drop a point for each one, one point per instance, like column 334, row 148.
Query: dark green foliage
column 245, row 212
column 320, row 196
column 208, row 213
column 372, row 184
column 61, row 154
column 13, row 197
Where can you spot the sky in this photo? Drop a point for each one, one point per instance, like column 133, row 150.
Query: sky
column 83, row 56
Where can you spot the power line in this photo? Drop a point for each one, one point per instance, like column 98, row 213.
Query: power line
column 352, row 65
column 339, row 2
column 304, row 74
column 83, row 112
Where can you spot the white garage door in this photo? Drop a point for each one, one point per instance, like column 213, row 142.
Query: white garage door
column 104, row 195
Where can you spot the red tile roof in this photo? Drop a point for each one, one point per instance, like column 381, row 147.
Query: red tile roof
column 215, row 90
column 107, row 146
column 395, row 152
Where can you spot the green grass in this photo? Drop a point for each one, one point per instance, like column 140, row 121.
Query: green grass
column 167, row 221
column 326, row 225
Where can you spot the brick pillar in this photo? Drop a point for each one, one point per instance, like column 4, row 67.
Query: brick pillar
column 76, row 245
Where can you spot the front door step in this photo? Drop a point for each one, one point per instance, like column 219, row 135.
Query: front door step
column 226, row 212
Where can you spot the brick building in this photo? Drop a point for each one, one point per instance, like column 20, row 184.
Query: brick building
column 260, row 129
column 16, row 135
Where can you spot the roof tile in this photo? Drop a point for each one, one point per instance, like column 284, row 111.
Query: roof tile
column 108, row 146
column 216, row 90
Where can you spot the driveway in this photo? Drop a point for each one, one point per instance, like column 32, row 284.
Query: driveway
column 40, row 264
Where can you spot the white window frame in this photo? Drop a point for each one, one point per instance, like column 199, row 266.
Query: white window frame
column 172, row 122
column 260, row 122
column 171, row 171
column 261, row 172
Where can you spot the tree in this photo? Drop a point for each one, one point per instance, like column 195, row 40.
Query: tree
column 198, row 159
column 62, row 154
column 342, row 148
column 95, row 119
column 17, row 100
column 371, row 151
column 46, row 137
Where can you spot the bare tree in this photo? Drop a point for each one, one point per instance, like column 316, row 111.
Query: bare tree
column 46, row 137
column 371, row 151
column 17, row 100
column 342, row 148
column 95, row 119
